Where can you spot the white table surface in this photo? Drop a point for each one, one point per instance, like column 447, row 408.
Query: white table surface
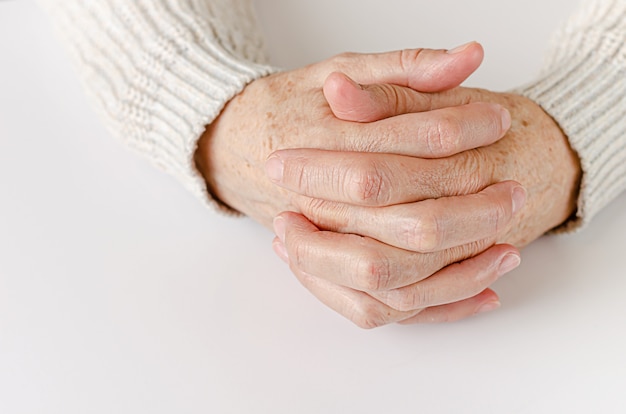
column 120, row 293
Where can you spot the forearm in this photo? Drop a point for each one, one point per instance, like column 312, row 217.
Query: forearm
column 159, row 71
column 583, row 87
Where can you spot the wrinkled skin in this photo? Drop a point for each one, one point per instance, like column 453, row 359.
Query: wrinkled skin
column 296, row 110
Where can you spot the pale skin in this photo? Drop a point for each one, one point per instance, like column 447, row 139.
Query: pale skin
column 532, row 150
column 351, row 236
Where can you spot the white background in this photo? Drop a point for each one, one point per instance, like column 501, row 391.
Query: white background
column 120, row 293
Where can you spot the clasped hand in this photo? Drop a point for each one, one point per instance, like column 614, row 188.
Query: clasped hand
column 403, row 196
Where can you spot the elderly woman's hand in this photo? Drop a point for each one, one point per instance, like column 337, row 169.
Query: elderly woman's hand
column 534, row 153
column 289, row 110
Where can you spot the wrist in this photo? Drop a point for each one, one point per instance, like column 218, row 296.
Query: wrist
column 563, row 184
column 205, row 159
column 537, row 154
column 569, row 178
column 559, row 197
column 591, row 116
column 232, row 151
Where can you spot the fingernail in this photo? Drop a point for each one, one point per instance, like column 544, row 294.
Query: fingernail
column 274, row 168
column 279, row 228
column 519, row 198
column 459, row 49
column 488, row 307
column 506, row 119
column 281, row 250
column 508, row 263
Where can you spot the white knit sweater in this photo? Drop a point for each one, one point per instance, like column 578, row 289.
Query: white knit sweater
column 161, row 70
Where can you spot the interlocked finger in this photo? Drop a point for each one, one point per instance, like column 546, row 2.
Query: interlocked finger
column 424, row 226
column 433, row 134
column 372, row 179
column 360, row 262
column 485, row 301
column 454, row 283
column 454, row 292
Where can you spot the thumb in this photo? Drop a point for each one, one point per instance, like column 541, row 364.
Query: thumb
column 424, row 70
column 351, row 101
column 394, row 80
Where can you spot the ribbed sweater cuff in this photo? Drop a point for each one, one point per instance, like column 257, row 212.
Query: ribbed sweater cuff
column 194, row 90
column 158, row 76
column 585, row 93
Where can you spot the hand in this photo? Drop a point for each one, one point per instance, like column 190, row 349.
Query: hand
column 355, row 275
column 289, row 110
column 534, row 152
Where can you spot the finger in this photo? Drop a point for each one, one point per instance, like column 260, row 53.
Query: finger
column 351, row 101
column 360, row 308
column 434, row 134
column 485, row 301
column 425, row 226
column 425, row 70
column 370, row 179
column 358, row 262
column 454, row 283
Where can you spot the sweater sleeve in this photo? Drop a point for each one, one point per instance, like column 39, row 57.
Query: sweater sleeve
column 159, row 71
column 583, row 87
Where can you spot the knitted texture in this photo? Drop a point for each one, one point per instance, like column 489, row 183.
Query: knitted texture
column 583, row 87
column 160, row 71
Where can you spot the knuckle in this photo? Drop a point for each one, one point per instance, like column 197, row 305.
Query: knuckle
column 472, row 170
column 443, row 138
column 307, row 280
column 367, row 316
column 343, row 61
column 499, row 216
column 397, row 101
column 408, row 299
column 426, row 264
column 300, row 178
column 367, row 185
column 460, row 253
column 327, row 214
column 300, row 252
column 373, row 272
column 409, row 58
column 296, row 174
column 421, row 233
